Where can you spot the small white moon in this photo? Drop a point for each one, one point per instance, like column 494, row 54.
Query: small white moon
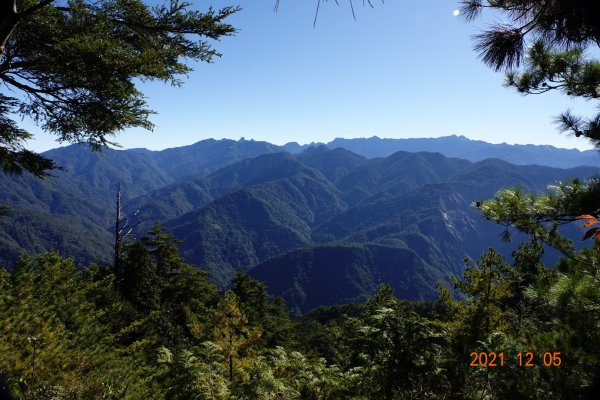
column 456, row 13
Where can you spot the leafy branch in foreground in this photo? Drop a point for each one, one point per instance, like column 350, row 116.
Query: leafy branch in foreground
column 540, row 215
column 559, row 23
column 550, row 37
column 73, row 66
column 570, row 72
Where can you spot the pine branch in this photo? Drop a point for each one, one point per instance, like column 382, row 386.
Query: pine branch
column 34, row 8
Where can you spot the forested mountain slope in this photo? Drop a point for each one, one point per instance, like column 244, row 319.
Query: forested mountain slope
column 275, row 204
column 77, row 204
column 244, row 205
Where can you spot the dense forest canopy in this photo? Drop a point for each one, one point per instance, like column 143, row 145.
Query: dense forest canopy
column 164, row 331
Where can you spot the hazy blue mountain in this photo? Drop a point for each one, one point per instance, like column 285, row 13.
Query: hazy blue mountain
column 472, row 150
column 83, row 191
column 296, row 220
column 255, row 223
column 276, row 203
column 209, row 155
column 294, row 147
column 177, row 199
column 334, row 274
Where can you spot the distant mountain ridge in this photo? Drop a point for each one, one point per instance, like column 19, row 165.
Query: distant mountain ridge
column 83, row 193
column 462, row 147
column 320, row 226
column 267, row 213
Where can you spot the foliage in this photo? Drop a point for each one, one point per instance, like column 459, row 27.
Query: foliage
column 552, row 38
column 265, row 312
column 486, row 286
column 70, row 332
column 159, row 285
column 195, row 373
column 560, row 309
column 53, row 340
column 73, row 66
column 399, row 353
column 164, row 331
column 161, row 330
column 540, row 215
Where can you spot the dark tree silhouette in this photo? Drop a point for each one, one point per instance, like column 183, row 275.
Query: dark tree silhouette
column 73, row 66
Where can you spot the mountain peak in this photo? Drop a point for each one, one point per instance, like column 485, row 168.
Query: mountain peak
column 314, row 150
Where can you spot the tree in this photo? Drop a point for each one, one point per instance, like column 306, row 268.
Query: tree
column 72, row 65
column 122, row 231
column 398, row 353
column 159, row 284
column 232, row 332
column 141, row 283
column 541, row 214
column 265, row 312
column 486, row 286
column 551, row 37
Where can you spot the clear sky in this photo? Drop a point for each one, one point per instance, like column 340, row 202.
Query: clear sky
column 403, row 69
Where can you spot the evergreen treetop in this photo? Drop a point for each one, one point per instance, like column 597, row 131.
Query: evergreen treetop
column 73, row 66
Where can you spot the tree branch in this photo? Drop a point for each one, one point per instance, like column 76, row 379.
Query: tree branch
column 8, row 22
column 22, row 86
column 33, row 9
column 27, row 88
column 47, row 104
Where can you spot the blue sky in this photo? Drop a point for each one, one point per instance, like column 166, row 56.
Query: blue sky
column 404, row 69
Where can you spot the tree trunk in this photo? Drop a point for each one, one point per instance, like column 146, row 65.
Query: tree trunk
column 8, row 22
column 230, row 357
column 118, row 237
column 10, row 18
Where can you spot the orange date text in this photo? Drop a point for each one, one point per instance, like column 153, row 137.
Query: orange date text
column 522, row 359
column 483, row 359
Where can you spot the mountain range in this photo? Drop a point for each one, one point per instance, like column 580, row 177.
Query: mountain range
column 320, row 225
column 461, row 147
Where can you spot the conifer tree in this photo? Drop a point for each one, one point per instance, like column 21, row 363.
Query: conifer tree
column 267, row 313
column 160, row 285
column 231, row 331
column 398, row 352
column 550, row 37
column 73, row 66
column 486, row 286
